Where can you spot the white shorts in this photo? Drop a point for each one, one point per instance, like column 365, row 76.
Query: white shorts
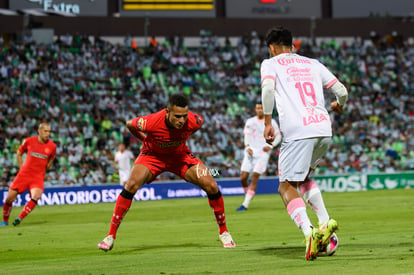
column 123, row 176
column 298, row 156
column 256, row 163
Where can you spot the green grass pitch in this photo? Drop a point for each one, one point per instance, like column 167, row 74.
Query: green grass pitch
column 376, row 236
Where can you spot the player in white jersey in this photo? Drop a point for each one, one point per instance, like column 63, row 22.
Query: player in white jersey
column 256, row 154
column 296, row 83
column 123, row 158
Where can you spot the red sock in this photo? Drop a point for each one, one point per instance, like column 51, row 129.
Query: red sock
column 29, row 206
column 121, row 208
column 218, row 207
column 7, row 208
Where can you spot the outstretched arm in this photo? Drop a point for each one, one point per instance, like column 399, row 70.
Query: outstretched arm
column 134, row 131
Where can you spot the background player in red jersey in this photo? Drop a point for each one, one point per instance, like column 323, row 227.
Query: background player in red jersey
column 164, row 135
column 40, row 155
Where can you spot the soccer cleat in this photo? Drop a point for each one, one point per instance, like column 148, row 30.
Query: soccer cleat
column 330, row 248
column 3, row 223
column 241, row 208
column 312, row 244
column 107, row 243
column 17, row 221
column 227, row 240
column 328, row 228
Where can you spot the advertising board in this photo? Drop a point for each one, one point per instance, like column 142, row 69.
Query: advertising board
column 76, row 7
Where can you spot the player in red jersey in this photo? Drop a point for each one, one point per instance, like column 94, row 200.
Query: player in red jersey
column 40, row 155
column 164, row 135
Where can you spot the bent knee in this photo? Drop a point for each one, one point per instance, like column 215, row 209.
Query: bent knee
column 36, row 197
column 210, row 187
column 9, row 201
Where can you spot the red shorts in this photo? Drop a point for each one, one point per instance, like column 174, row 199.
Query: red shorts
column 22, row 182
column 174, row 163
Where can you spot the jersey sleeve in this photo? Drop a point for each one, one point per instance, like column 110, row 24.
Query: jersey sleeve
column 23, row 147
column 142, row 123
column 248, row 128
column 328, row 78
column 266, row 70
column 196, row 121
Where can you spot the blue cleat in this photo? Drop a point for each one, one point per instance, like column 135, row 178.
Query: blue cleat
column 3, row 223
column 241, row 208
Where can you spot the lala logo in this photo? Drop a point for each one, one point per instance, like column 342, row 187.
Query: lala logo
column 267, row 1
column 312, row 117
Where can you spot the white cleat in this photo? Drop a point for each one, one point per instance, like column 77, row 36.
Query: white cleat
column 227, row 240
column 107, row 243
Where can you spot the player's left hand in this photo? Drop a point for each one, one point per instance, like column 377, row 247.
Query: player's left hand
column 269, row 133
column 337, row 108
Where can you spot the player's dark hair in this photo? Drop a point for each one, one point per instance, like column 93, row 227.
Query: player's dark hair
column 178, row 100
column 279, row 36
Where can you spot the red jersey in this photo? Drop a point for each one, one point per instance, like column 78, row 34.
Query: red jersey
column 162, row 139
column 38, row 155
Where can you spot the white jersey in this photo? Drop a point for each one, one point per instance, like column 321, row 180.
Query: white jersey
column 124, row 160
column 299, row 95
column 254, row 127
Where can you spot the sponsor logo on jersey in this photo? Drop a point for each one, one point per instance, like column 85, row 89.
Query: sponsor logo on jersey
column 293, row 71
column 38, row 155
column 170, row 144
column 142, row 124
column 198, row 119
column 314, row 119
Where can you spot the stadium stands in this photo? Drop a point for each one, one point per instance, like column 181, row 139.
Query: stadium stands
column 88, row 90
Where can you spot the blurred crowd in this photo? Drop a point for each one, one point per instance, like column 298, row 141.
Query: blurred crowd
column 87, row 90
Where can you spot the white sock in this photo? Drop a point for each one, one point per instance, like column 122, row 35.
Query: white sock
column 248, row 197
column 312, row 195
column 297, row 211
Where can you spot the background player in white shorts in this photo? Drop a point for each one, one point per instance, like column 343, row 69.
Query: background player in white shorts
column 123, row 158
column 256, row 154
column 296, row 84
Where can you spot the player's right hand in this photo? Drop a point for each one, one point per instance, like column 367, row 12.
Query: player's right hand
column 269, row 133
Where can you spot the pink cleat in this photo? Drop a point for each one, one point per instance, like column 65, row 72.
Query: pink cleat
column 227, row 240
column 106, row 243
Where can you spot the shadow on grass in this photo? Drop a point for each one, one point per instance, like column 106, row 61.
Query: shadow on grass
column 289, row 252
column 361, row 251
column 159, row 246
